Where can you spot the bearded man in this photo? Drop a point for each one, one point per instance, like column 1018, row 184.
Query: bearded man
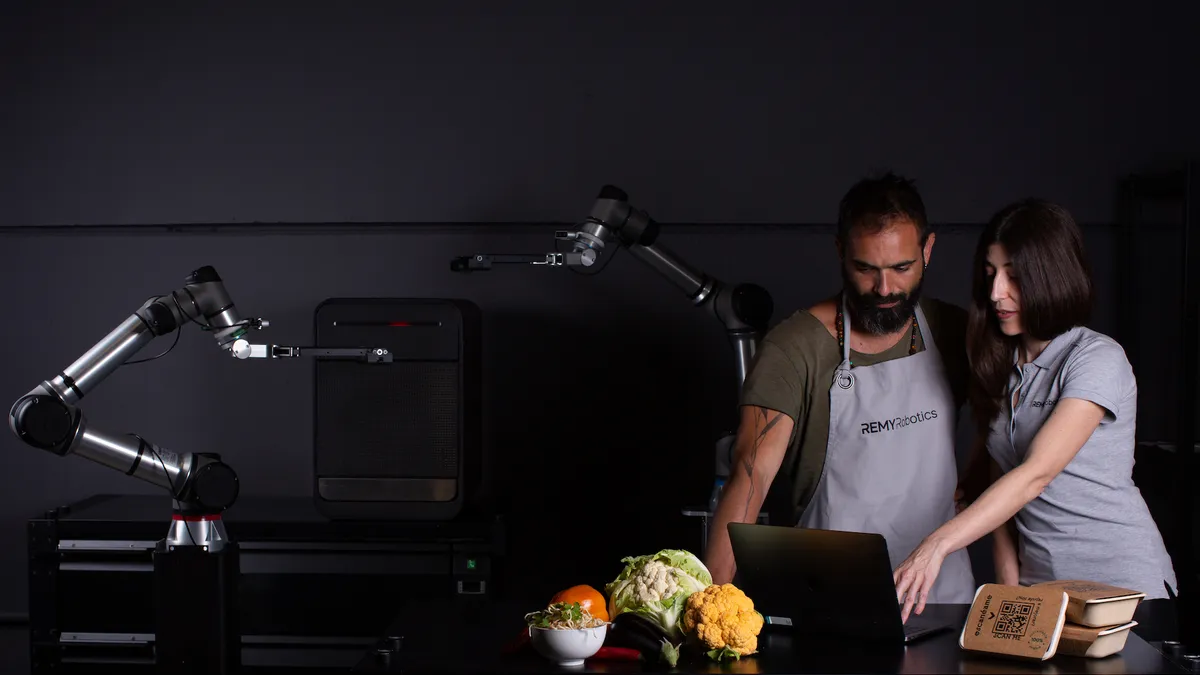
column 854, row 402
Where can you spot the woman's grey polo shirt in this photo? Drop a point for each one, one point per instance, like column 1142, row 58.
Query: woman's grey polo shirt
column 1090, row 523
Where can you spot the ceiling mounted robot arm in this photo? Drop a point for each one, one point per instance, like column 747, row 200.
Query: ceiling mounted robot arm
column 744, row 309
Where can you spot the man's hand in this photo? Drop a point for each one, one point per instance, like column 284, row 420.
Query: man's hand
column 762, row 441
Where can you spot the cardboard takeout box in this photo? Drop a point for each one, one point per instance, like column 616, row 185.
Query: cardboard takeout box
column 1095, row 643
column 1018, row 621
column 1096, row 605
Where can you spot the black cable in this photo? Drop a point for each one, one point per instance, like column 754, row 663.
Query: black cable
column 194, row 304
column 179, row 328
column 178, row 331
column 243, row 322
column 174, row 491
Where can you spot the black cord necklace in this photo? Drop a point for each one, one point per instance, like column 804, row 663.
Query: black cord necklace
column 841, row 333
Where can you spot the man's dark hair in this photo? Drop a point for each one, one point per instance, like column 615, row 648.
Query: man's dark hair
column 872, row 203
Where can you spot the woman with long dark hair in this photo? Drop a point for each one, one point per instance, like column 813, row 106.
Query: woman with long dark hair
column 1057, row 407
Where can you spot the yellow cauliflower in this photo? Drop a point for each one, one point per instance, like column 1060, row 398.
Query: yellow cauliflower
column 724, row 619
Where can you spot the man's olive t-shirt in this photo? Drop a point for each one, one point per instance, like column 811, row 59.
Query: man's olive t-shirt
column 792, row 371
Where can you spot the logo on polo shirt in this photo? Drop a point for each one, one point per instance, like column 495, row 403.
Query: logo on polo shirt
column 897, row 422
column 1048, row 403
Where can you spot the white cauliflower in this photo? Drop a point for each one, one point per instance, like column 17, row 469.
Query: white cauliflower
column 657, row 587
column 654, row 582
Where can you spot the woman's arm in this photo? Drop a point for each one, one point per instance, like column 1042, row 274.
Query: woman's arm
column 1054, row 446
column 1004, row 547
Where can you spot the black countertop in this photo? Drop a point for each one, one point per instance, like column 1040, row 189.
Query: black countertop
column 471, row 637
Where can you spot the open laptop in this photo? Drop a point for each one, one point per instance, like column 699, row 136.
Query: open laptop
column 828, row 583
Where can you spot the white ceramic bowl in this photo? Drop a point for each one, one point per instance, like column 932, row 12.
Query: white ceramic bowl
column 568, row 647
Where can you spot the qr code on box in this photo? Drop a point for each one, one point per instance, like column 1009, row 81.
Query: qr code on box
column 1013, row 619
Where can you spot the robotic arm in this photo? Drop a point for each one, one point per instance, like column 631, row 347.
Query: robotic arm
column 744, row 309
column 49, row 417
column 196, row 566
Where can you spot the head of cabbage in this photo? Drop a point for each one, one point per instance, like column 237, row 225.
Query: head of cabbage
column 657, row 587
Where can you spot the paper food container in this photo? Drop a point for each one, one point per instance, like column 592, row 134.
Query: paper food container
column 1097, row 605
column 1018, row 621
column 1095, row 643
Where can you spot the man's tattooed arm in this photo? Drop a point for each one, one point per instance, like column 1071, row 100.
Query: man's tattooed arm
column 768, row 421
column 762, row 444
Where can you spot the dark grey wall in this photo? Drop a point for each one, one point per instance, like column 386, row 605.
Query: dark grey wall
column 368, row 113
column 479, row 111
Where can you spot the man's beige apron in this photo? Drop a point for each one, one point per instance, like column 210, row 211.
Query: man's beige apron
column 890, row 462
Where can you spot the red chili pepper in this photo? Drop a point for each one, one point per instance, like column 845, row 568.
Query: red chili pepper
column 517, row 643
column 617, row 654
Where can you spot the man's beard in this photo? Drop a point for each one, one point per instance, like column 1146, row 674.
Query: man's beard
column 867, row 316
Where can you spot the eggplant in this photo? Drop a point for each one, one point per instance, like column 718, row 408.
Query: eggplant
column 637, row 632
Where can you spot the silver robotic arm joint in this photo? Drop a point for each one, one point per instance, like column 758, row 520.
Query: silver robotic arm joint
column 744, row 310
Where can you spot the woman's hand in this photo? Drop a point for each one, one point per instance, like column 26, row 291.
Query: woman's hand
column 915, row 576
